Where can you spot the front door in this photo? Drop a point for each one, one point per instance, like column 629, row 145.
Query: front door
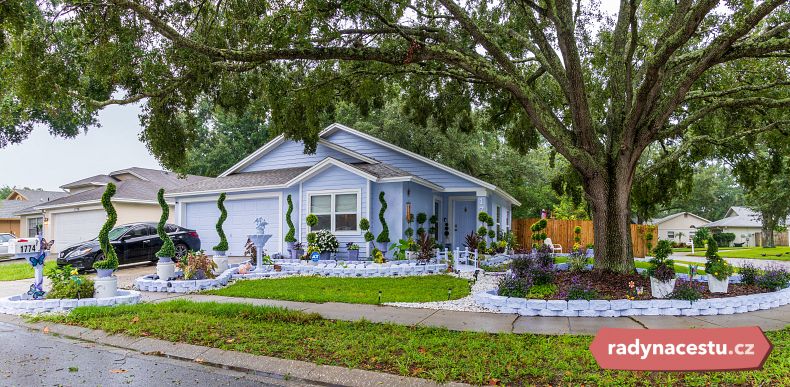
column 463, row 221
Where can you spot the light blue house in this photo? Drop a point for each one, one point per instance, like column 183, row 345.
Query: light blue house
column 341, row 184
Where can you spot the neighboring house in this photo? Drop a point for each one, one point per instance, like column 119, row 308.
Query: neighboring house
column 746, row 224
column 679, row 227
column 340, row 183
column 20, row 199
column 79, row 215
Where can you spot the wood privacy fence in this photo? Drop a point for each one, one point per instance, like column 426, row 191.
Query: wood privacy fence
column 561, row 232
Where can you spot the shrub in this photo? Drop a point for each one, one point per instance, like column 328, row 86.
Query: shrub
column 538, row 236
column 311, row 220
column 384, row 235
column 577, row 261
column 350, row 246
column 513, row 286
column 701, row 236
column 749, row 274
column 110, row 260
column 168, row 250
column 661, row 267
column 326, row 241
column 290, row 236
column 542, row 291
column 578, row 291
column 773, row 278
column 67, row 283
column 472, row 240
column 491, row 234
column 409, row 232
column 716, row 265
column 482, row 231
column 686, row 290
column 197, row 266
column 724, row 238
column 538, row 270
column 310, row 238
column 364, row 224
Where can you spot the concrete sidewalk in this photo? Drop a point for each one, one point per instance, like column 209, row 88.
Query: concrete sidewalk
column 289, row 372
column 768, row 320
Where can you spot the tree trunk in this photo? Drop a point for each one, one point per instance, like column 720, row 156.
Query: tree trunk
column 768, row 230
column 609, row 200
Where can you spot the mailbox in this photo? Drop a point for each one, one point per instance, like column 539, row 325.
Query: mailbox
column 24, row 246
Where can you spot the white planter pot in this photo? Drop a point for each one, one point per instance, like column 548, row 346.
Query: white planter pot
column 716, row 286
column 222, row 263
column 105, row 287
column 165, row 270
column 661, row 289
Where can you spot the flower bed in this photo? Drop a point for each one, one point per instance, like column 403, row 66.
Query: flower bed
column 149, row 283
column 359, row 269
column 622, row 307
column 19, row 305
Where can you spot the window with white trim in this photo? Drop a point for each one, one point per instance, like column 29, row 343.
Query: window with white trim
column 336, row 211
column 498, row 221
column 32, row 226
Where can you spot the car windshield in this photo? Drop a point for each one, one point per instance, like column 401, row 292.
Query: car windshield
column 5, row 238
column 118, row 232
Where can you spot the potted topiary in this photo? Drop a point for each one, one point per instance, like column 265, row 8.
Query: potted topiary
column 290, row 238
column 717, row 268
column 364, row 225
column 165, row 267
column 353, row 251
column 106, row 285
column 384, row 236
column 221, row 248
column 297, row 250
column 421, row 219
column 326, row 243
column 662, row 270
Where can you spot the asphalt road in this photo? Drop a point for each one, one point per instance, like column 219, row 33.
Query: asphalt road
column 37, row 359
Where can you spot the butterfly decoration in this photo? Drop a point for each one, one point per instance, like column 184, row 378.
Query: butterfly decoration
column 35, row 261
column 36, row 292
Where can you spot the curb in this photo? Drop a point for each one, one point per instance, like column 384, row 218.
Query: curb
column 284, row 369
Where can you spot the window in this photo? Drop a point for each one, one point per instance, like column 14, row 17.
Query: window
column 498, row 221
column 337, row 212
column 32, row 226
column 671, row 234
column 140, row 231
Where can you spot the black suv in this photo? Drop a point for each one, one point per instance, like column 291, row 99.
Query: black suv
column 134, row 242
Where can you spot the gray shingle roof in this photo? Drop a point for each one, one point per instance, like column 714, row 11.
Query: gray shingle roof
column 8, row 208
column 39, row 196
column 244, row 180
column 381, row 170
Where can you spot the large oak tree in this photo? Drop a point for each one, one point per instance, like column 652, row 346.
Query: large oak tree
column 599, row 89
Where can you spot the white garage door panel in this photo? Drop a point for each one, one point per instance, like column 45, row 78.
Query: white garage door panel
column 202, row 217
column 75, row 227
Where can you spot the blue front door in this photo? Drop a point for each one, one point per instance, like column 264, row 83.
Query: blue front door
column 463, row 221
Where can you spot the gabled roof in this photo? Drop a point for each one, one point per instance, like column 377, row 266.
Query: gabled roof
column 673, row 216
column 286, row 177
column 335, row 127
column 738, row 217
column 32, row 196
column 8, row 208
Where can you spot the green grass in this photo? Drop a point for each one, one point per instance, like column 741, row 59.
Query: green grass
column 752, row 253
column 20, row 270
column 680, row 266
column 688, row 249
column 350, row 290
column 433, row 353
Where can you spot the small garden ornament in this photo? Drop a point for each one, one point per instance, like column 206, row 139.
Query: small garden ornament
column 353, row 251
column 259, row 240
column 222, row 247
column 165, row 267
column 34, row 250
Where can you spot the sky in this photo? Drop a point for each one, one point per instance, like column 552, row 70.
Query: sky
column 45, row 161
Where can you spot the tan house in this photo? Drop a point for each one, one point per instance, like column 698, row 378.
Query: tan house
column 679, row 227
column 78, row 216
column 20, row 199
column 747, row 225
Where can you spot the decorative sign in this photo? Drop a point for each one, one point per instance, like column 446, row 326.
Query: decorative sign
column 708, row 349
column 24, row 246
column 314, row 256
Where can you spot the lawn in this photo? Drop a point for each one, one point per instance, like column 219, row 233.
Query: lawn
column 19, row 270
column 351, row 290
column 753, row 253
column 680, row 266
column 432, row 353
column 688, row 249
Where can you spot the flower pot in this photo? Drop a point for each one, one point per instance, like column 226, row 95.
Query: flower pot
column 661, row 289
column 590, row 253
column 104, row 287
column 278, row 268
column 165, row 268
column 325, row 255
column 165, row 259
column 104, row 273
column 290, row 246
column 296, row 254
column 382, row 246
column 718, row 286
column 353, row 255
column 221, row 261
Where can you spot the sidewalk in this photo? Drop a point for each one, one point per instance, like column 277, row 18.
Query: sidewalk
column 768, row 320
column 290, row 371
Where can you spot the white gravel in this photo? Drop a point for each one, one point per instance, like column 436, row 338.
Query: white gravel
column 485, row 282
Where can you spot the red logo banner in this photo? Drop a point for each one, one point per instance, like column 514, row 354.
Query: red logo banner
column 709, row 349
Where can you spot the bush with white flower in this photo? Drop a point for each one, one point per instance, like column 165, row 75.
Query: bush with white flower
column 326, row 241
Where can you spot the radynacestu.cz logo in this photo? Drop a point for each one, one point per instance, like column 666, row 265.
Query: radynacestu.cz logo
column 740, row 348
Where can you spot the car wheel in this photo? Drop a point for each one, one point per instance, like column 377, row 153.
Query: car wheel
column 181, row 250
column 89, row 265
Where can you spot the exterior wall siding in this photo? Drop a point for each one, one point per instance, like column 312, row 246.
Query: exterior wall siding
column 397, row 159
column 394, row 196
column 421, row 199
column 291, row 154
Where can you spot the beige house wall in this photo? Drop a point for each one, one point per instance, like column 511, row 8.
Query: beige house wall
column 742, row 234
column 681, row 223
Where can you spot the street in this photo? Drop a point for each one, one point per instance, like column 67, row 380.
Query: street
column 36, row 359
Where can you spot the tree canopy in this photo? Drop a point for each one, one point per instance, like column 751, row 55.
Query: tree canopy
column 600, row 89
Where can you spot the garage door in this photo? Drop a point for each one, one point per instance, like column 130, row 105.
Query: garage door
column 73, row 227
column 202, row 217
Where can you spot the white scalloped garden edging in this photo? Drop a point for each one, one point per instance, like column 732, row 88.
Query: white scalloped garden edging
column 616, row 308
column 360, row 269
column 149, row 284
column 18, row 305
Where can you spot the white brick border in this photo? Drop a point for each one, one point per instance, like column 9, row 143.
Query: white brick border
column 616, row 308
column 18, row 305
column 149, row 284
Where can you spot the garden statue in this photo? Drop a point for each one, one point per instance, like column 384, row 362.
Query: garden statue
column 259, row 240
column 35, row 251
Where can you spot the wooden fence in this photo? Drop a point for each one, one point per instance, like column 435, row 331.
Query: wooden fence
column 561, row 232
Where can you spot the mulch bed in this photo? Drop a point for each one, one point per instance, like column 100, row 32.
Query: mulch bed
column 614, row 286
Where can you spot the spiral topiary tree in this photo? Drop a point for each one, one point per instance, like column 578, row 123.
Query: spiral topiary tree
column 223, row 215
column 289, row 237
column 168, row 250
column 364, row 225
column 110, row 260
column 384, row 235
